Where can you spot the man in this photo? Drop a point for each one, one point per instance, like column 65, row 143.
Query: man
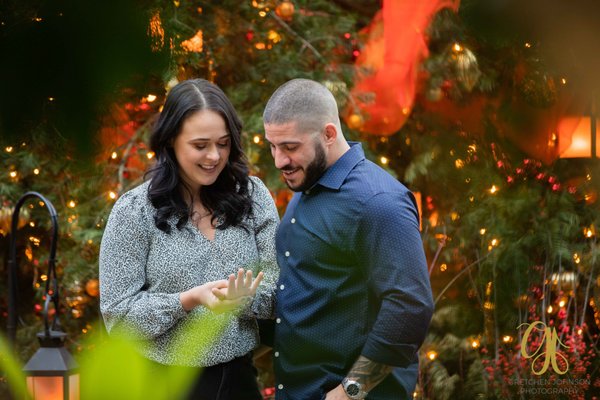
column 354, row 300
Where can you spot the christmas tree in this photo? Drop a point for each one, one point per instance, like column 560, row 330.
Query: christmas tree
column 469, row 116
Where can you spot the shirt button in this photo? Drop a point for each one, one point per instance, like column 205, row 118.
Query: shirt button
column 293, row 221
column 276, row 354
column 287, row 253
column 278, row 320
column 280, row 386
column 282, row 287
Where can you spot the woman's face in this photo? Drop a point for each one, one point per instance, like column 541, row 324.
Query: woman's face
column 202, row 149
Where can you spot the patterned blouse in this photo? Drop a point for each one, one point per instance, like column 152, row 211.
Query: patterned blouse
column 143, row 270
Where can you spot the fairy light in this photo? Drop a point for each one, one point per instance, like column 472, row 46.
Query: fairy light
column 459, row 163
column 528, row 45
column 71, row 204
column 256, row 139
column 482, row 231
column 454, row 216
column 561, row 303
column 260, row 46
column 588, row 232
column 32, row 224
column 13, row 174
column 475, row 343
column 112, row 195
column 432, row 355
column 262, row 14
column 150, row 155
column 150, row 98
column 493, row 189
column 576, row 258
column 8, row 149
column 41, row 203
column 36, row 171
column 563, row 81
column 443, row 267
column 44, row 277
column 507, row 339
column 34, row 240
column 114, row 155
column 494, row 242
column 384, row 160
column 579, row 331
column 457, row 47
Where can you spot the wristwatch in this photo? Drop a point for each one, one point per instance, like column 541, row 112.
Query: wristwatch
column 353, row 389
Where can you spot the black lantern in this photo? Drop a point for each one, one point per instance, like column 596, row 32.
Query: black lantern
column 52, row 373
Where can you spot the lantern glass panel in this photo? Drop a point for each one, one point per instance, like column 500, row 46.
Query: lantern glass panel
column 74, row 387
column 46, row 387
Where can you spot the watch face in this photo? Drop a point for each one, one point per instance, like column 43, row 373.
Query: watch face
column 352, row 389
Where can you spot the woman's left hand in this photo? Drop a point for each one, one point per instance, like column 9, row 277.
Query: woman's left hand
column 241, row 286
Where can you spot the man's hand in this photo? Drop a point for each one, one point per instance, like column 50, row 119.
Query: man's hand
column 336, row 393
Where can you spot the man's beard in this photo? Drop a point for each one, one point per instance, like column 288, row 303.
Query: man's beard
column 313, row 171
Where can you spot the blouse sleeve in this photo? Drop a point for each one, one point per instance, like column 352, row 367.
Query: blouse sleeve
column 265, row 221
column 124, row 302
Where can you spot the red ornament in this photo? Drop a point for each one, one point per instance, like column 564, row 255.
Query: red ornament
column 500, row 164
column 519, row 171
column 556, row 187
column 249, row 35
column 540, row 176
column 510, row 179
column 551, row 179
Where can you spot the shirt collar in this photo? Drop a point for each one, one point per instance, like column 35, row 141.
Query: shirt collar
column 335, row 175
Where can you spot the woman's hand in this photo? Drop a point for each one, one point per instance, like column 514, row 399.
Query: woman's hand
column 224, row 295
column 240, row 287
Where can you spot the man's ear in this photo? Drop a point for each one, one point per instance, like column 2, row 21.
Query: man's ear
column 331, row 133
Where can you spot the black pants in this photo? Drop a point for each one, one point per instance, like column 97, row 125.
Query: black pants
column 233, row 380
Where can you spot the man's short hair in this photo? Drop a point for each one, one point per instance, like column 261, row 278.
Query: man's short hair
column 308, row 103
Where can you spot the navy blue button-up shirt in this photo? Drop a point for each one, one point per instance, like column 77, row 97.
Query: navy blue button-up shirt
column 353, row 282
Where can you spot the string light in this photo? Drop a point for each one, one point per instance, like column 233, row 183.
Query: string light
column 9, row 149
column 384, row 160
column 563, row 81
column 507, row 339
column 36, row 241
column 493, row 189
column 150, row 155
column 459, row 163
column 262, row 14
column 528, row 45
column 482, row 231
column 150, row 98
column 443, row 267
column 112, row 195
column 457, row 47
column 71, row 204
column 260, row 46
column 44, row 277
column 475, row 343
column 576, row 258
column 36, row 171
column 561, row 303
column 13, row 174
column 114, row 155
column 550, row 309
column 256, row 139
column 432, row 355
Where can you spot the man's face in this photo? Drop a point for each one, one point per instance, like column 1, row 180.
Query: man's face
column 300, row 157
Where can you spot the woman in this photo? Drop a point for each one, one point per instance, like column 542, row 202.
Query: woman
column 175, row 248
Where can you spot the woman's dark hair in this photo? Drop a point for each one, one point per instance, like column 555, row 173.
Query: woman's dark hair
column 228, row 198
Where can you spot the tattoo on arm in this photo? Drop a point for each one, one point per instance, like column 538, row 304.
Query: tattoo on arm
column 368, row 373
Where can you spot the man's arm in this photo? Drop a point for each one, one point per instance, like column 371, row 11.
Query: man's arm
column 364, row 371
column 390, row 247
